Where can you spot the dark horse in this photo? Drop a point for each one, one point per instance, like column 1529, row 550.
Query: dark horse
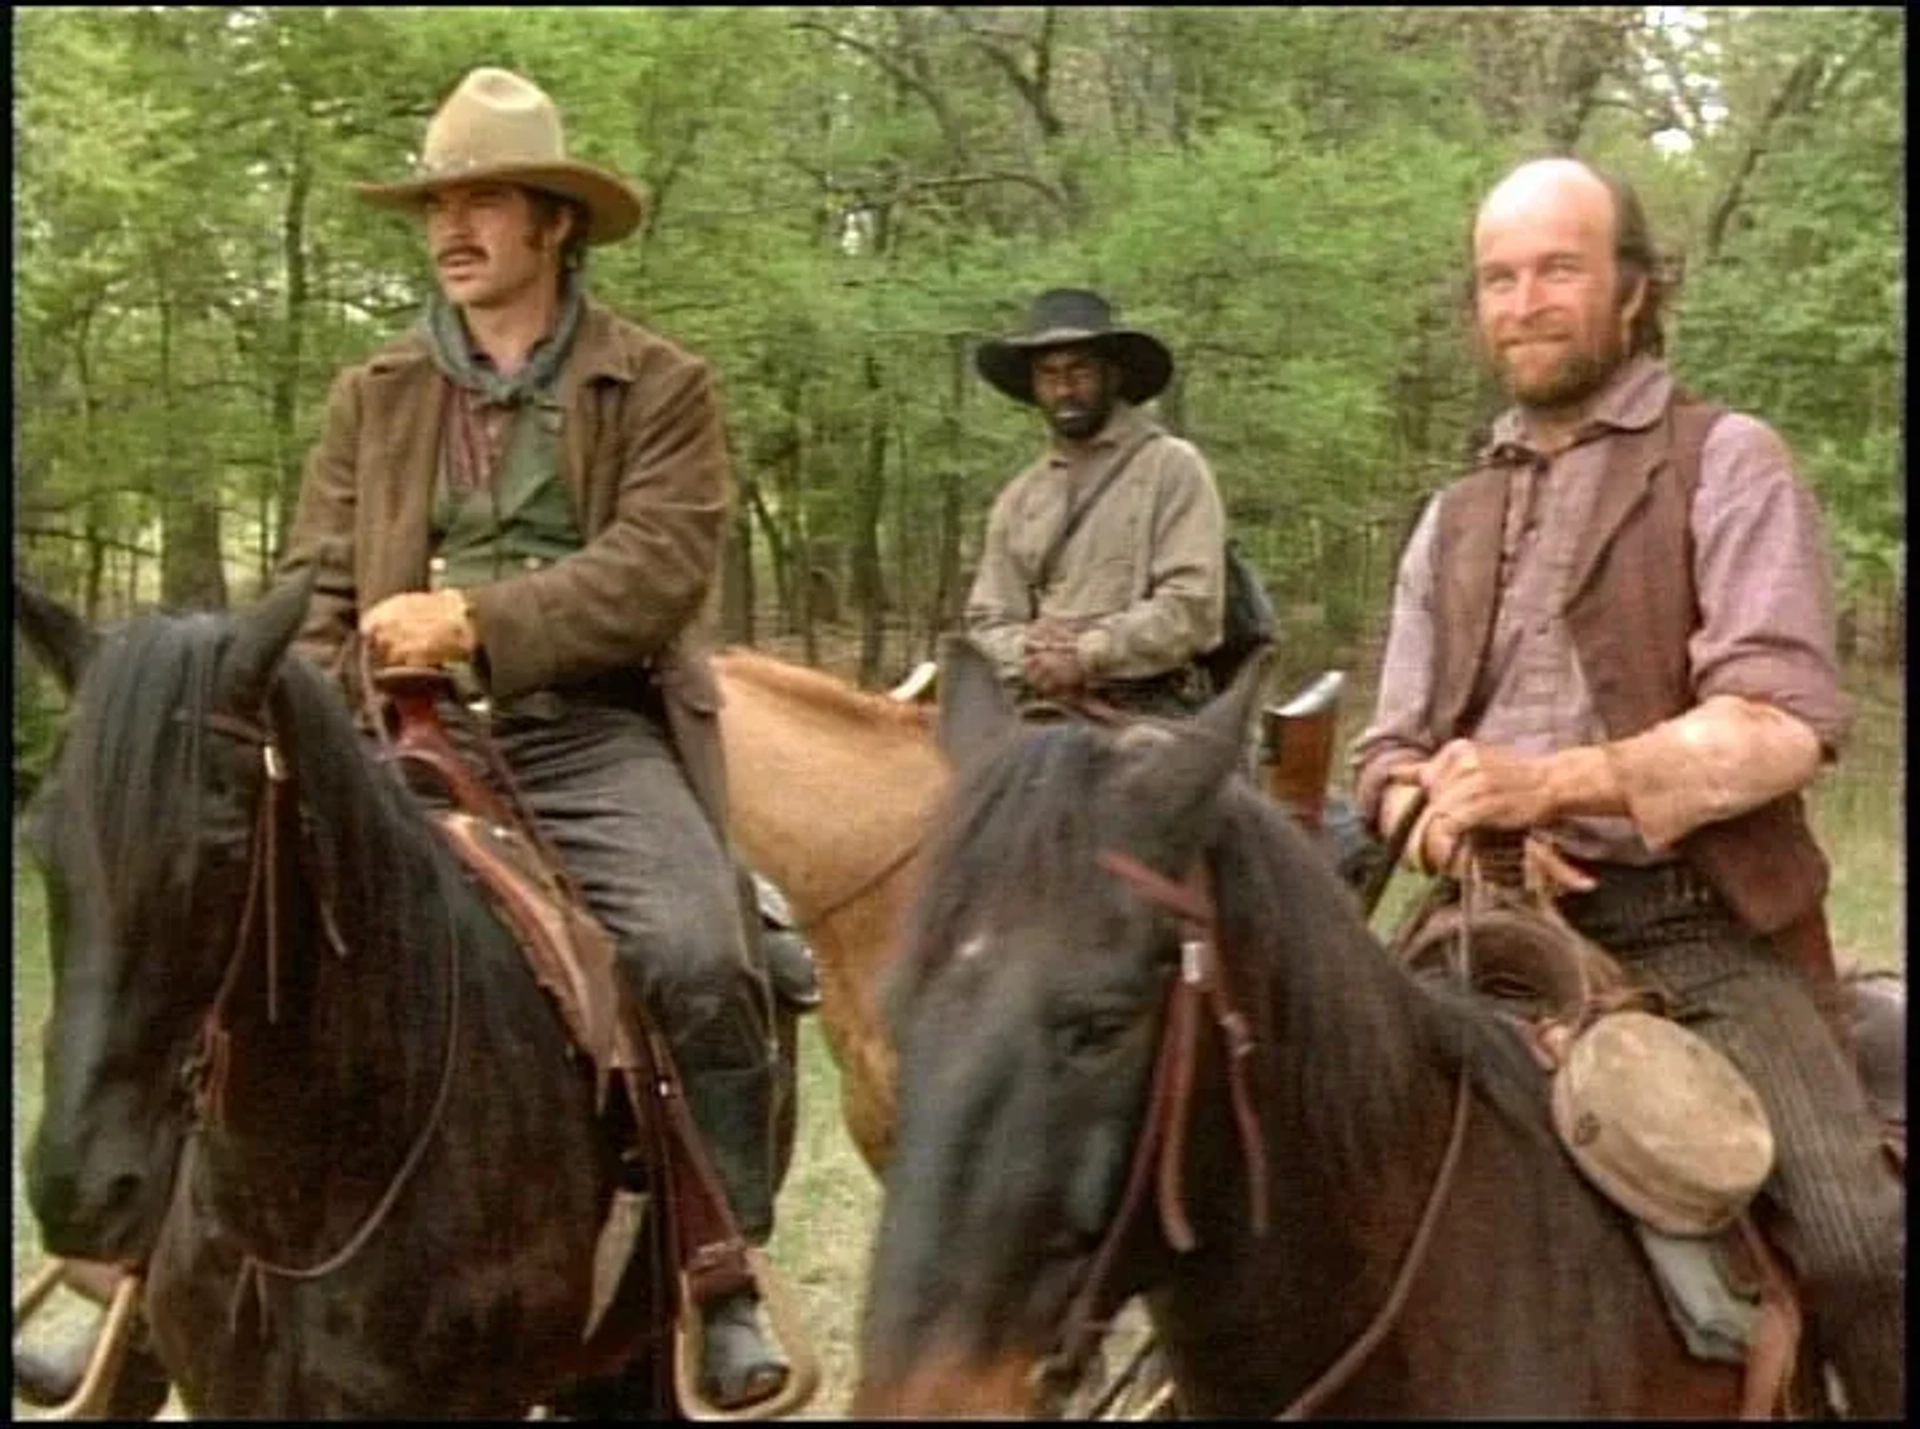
column 373, row 1185
column 1035, row 977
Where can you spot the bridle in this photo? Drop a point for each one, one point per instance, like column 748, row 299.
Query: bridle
column 866, row 885
column 207, row 1068
column 1159, row 1152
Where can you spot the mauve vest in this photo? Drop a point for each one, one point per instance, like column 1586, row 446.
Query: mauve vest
column 1630, row 607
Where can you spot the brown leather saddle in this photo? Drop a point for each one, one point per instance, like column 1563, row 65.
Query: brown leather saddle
column 696, row 1240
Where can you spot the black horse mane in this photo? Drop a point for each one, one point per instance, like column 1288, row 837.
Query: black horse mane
column 1023, row 826
column 130, row 749
column 131, row 769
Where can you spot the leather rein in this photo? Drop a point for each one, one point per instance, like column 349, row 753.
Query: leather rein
column 207, row 1068
column 1159, row 1153
column 866, row 885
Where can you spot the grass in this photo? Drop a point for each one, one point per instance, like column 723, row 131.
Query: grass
column 830, row 1206
column 826, row 1218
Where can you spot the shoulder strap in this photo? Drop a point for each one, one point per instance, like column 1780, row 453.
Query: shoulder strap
column 1043, row 572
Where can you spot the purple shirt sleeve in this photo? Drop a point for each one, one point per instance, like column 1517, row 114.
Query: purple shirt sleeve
column 1764, row 579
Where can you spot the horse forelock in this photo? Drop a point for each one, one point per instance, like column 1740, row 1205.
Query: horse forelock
column 1012, row 833
column 134, row 808
column 1345, row 1033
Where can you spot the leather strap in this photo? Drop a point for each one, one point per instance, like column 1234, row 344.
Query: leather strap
column 1159, row 1153
column 705, row 1244
column 1776, row 1334
column 1043, row 571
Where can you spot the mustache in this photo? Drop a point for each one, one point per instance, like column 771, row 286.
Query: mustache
column 459, row 250
column 1548, row 334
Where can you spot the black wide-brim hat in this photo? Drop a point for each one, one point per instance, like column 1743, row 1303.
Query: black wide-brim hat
column 1064, row 317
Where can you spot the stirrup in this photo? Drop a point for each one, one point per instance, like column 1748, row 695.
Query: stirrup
column 95, row 1394
column 689, row 1345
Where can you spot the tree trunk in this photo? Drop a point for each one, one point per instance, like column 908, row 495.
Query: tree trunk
column 948, row 610
column 736, row 580
column 286, row 378
column 191, row 573
column 96, row 566
column 776, row 551
column 869, row 592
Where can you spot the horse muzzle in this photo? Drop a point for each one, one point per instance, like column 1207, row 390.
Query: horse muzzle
column 95, row 1200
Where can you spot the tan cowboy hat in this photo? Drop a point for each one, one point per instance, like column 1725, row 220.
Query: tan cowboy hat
column 501, row 127
column 1062, row 317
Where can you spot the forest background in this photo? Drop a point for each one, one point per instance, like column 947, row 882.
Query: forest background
column 845, row 200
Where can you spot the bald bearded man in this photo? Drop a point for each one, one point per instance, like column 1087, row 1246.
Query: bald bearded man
column 1617, row 636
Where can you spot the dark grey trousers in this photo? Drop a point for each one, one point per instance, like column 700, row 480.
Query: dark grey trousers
column 610, row 795
column 1843, row 1225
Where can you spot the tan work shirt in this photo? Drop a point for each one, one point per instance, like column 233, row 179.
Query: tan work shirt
column 1143, row 579
column 1767, row 621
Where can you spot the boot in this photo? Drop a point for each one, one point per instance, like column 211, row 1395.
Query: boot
column 48, row 1378
column 740, row 1362
column 790, row 969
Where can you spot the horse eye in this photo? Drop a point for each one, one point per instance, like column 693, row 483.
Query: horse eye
column 1091, row 1036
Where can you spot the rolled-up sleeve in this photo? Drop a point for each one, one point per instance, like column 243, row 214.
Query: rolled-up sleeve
column 1764, row 579
column 1399, row 733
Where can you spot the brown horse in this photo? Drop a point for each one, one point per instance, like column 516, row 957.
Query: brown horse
column 830, row 789
column 1147, row 1044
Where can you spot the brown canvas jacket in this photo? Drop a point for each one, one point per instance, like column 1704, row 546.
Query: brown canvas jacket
column 646, row 463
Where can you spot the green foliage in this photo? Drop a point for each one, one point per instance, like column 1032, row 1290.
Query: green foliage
column 844, row 199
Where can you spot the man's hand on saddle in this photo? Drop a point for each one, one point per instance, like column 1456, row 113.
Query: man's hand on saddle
column 1051, row 662
column 1471, row 786
column 420, row 628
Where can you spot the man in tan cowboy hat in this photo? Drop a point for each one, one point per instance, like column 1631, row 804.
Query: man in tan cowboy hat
column 532, row 491
column 1103, row 570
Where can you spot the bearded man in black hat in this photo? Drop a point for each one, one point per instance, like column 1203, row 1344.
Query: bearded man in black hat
column 1103, row 572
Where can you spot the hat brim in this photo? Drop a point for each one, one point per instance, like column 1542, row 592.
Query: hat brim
column 1145, row 364
column 614, row 207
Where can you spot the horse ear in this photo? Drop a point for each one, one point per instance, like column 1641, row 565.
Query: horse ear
column 263, row 633
column 1175, row 778
column 1229, row 715
column 57, row 636
column 975, row 713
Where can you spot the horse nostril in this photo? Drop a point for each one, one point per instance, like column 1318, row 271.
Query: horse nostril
column 123, row 1191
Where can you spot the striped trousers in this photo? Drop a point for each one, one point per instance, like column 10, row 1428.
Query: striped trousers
column 1840, row 1203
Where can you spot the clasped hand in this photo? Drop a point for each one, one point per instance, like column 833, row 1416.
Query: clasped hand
column 422, row 628
column 1470, row 785
column 1050, row 662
